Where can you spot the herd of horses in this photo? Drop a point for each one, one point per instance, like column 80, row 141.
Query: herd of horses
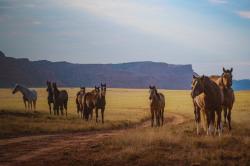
column 210, row 95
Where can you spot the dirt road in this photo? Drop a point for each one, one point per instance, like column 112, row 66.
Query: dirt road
column 24, row 149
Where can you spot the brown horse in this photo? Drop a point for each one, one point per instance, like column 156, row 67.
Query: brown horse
column 60, row 99
column 157, row 105
column 101, row 102
column 50, row 96
column 225, row 83
column 207, row 97
column 80, row 101
column 90, row 99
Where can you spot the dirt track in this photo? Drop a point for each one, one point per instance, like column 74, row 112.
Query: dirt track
column 23, row 149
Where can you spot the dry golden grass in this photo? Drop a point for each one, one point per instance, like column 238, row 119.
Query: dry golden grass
column 124, row 108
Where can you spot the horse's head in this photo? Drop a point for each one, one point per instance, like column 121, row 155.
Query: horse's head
column 16, row 89
column 83, row 89
column 197, row 85
column 96, row 91
column 152, row 92
column 227, row 77
column 103, row 89
column 54, row 88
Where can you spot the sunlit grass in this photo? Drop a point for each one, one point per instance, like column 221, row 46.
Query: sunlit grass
column 124, row 107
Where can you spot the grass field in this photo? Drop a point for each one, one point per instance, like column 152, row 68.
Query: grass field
column 124, row 107
column 171, row 144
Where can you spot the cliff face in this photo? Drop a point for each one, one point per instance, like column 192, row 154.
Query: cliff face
column 125, row 75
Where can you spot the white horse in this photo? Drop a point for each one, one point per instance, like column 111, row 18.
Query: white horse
column 29, row 96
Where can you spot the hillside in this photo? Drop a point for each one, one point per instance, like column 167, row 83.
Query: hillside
column 125, row 75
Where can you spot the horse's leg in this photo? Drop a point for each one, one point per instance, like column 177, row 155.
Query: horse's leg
column 31, row 106
column 102, row 110
column 49, row 107
column 91, row 113
column 162, row 116
column 152, row 117
column 212, row 122
column 96, row 114
column 204, row 119
column 158, row 117
column 198, row 119
column 61, row 109
column 229, row 118
column 225, row 114
column 219, row 125
column 57, row 109
column 208, row 122
column 28, row 105
column 34, row 104
column 25, row 104
column 65, row 105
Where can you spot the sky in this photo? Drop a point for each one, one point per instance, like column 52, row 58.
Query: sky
column 209, row 34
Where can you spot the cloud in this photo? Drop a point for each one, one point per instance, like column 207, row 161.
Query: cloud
column 172, row 24
column 219, row 1
column 36, row 23
column 244, row 14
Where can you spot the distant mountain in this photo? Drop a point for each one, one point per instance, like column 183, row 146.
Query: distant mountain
column 124, row 75
column 241, row 84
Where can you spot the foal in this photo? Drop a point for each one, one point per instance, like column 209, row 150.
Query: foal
column 157, row 105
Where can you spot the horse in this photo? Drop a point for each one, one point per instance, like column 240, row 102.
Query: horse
column 225, row 83
column 101, row 102
column 80, row 101
column 29, row 96
column 90, row 99
column 208, row 98
column 199, row 107
column 60, row 99
column 157, row 105
column 50, row 96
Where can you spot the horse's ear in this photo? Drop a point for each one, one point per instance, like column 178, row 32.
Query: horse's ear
column 231, row 70
column 202, row 77
column 224, row 70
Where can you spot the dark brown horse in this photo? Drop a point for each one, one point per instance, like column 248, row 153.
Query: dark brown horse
column 60, row 99
column 225, row 83
column 50, row 96
column 80, row 101
column 157, row 105
column 90, row 99
column 101, row 102
column 207, row 98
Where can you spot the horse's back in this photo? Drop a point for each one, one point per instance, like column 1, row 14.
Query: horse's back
column 63, row 95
